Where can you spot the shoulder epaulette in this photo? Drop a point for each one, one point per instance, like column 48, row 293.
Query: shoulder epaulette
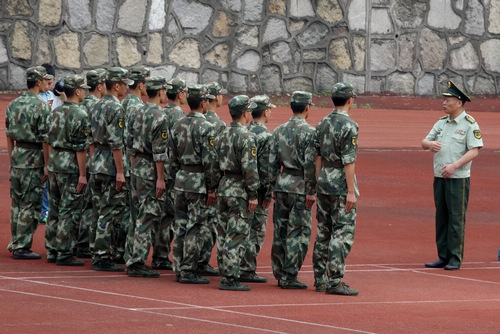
column 470, row 119
column 443, row 117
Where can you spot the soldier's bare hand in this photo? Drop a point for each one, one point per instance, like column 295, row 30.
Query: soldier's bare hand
column 160, row 188
column 82, row 183
column 120, row 180
column 310, row 200
column 350, row 202
column 265, row 204
column 45, row 176
column 211, row 198
column 252, row 205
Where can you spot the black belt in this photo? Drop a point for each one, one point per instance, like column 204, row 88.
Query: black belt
column 334, row 164
column 102, row 147
column 292, row 171
column 146, row 156
column 193, row 168
column 63, row 149
column 29, row 146
column 233, row 175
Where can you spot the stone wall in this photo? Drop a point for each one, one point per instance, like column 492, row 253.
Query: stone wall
column 408, row 47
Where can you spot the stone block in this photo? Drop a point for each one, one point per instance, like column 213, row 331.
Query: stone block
column 381, row 22
column 277, row 7
column 464, row 58
column 193, row 16
column 43, row 49
column 128, row 52
column 425, row 85
column 330, row 11
column 157, row 15
column 474, row 18
column 494, row 18
column 223, row 25
column 105, row 15
column 299, row 83
column 270, row 79
column 401, row 83
column 155, row 49
column 18, row 8
column 247, row 35
column 166, row 71
column 338, row 54
column 359, row 53
column 49, row 12
column 440, row 9
column 302, row 8
column 407, row 50
column 357, row 81
column 314, row 35
column 131, row 16
column 249, row 61
column 80, row 17
column 409, row 14
column 275, row 29
column 186, row 53
column 96, row 50
column 218, row 55
column 433, row 50
column 4, row 56
column 21, row 41
column 253, row 10
column 17, row 77
column 356, row 15
column 67, row 50
column 490, row 49
column 237, row 83
column 325, row 78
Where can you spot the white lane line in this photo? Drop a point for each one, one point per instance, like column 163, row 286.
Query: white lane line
column 177, row 303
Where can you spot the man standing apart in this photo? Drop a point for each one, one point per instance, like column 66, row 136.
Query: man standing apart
column 293, row 180
column 455, row 140
column 26, row 131
column 237, row 193
column 109, row 191
column 67, row 138
column 337, row 191
column 261, row 112
column 150, row 145
column 195, row 168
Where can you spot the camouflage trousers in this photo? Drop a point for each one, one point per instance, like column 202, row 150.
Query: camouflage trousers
column 65, row 214
column 190, row 215
column 120, row 231
column 258, row 223
column 292, row 235
column 208, row 235
column 334, row 238
column 86, row 232
column 234, row 228
column 110, row 206
column 163, row 233
column 149, row 212
column 26, row 190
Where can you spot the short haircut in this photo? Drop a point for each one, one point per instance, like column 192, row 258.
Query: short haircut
column 110, row 84
column 340, row 101
column 152, row 92
column 258, row 113
column 136, row 83
column 69, row 92
column 298, row 107
column 195, row 101
column 31, row 84
column 92, row 87
column 172, row 96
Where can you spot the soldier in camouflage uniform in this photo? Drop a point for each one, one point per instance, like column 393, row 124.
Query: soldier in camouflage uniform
column 293, row 180
column 26, row 130
column 67, row 137
column 109, row 191
column 150, row 144
column 195, row 168
column 260, row 116
column 209, row 230
column 237, row 192
column 132, row 104
column 96, row 80
column 336, row 144
column 163, row 233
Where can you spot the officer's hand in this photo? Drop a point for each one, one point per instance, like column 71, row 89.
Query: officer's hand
column 448, row 170
column 82, row 183
column 310, row 200
column 120, row 180
column 350, row 202
column 160, row 188
column 435, row 146
column 211, row 198
column 252, row 205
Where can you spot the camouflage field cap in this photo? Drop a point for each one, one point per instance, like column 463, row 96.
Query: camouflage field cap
column 262, row 102
column 75, row 81
column 239, row 104
column 139, row 73
column 178, row 86
column 118, row 74
column 454, row 91
column 215, row 89
column 156, row 82
column 302, row 97
column 97, row 76
column 199, row 90
column 37, row 73
column 343, row 89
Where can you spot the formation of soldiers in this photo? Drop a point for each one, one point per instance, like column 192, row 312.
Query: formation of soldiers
column 126, row 177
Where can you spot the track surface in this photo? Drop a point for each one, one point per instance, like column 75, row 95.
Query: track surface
column 394, row 237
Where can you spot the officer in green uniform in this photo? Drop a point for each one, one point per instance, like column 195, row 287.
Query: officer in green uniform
column 96, row 80
column 293, row 180
column 109, row 191
column 209, row 230
column 195, row 168
column 26, row 130
column 67, row 137
column 261, row 114
column 336, row 144
column 237, row 193
column 455, row 140
column 150, row 144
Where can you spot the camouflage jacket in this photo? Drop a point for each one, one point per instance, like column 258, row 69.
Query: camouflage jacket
column 237, row 153
column 292, row 147
column 192, row 144
column 106, row 125
column 131, row 104
column 174, row 114
column 68, row 131
column 150, row 141
column 263, row 141
column 218, row 123
column 26, row 121
column 336, row 141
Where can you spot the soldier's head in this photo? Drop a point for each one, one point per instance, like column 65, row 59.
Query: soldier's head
column 156, row 85
column 454, row 99
column 263, row 105
column 178, row 90
column 197, row 97
column 216, row 90
column 95, row 78
column 38, row 76
column 341, row 93
column 139, row 75
column 75, row 87
column 117, row 81
column 240, row 107
column 300, row 101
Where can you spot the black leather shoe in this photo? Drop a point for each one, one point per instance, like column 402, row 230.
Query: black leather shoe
column 451, row 267
column 70, row 261
column 25, row 254
column 252, row 278
column 436, row 264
